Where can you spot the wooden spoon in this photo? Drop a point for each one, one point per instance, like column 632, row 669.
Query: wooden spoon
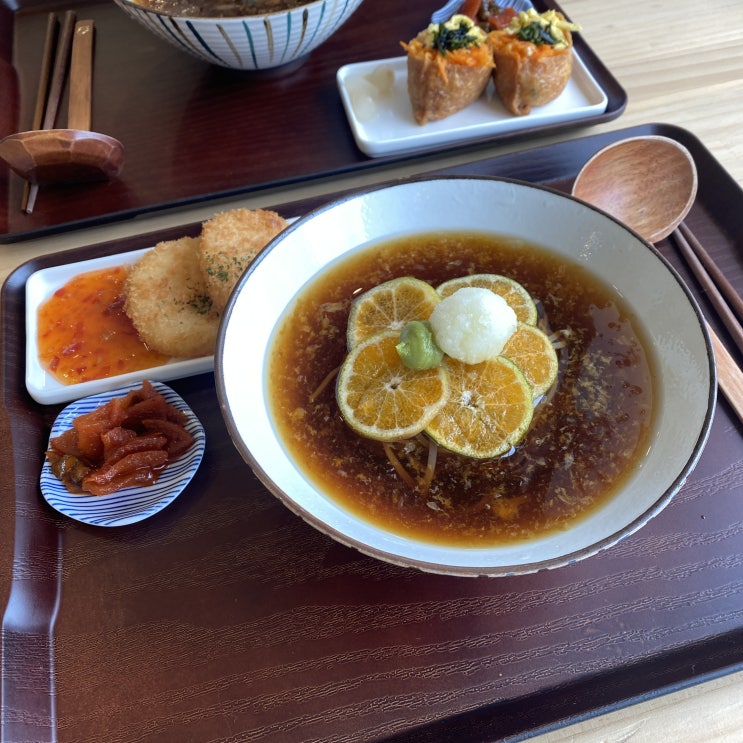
column 74, row 154
column 649, row 183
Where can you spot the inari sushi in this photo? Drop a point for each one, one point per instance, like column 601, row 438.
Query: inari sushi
column 449, row 65
column 533, row 58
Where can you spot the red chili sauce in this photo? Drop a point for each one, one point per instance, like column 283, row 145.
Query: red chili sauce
column 84, row 333
column 586, row 438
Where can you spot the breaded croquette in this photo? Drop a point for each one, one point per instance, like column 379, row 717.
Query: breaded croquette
column 229, row 242
column 168, row 303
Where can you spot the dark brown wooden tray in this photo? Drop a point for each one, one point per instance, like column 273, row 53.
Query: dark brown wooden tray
column 193, row 131
column 226, row 617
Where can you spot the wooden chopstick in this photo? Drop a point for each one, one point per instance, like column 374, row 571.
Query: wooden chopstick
column 47, row 55
column 60, row 70
column 729, row 375
column 728, row 290
column 81, row 64
column 55, row 88
column 725, row 313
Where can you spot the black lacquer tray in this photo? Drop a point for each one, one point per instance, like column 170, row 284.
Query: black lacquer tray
column 227, row 618
column 192, row 131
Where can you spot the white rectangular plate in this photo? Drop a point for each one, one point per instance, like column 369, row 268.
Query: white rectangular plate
column 41, row 385
column 385, row 125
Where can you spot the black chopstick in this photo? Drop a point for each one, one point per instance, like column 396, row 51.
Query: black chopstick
column 715, row 296
column 50, row 41
column 56, row 84
column 731, row 295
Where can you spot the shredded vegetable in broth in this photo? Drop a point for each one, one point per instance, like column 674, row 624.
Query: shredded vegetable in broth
column 221, row 8
column 588, row 432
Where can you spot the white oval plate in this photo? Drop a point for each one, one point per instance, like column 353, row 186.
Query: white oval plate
column 128, row 505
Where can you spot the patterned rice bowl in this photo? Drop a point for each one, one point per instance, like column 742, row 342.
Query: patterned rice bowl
column 128, row 505
column 257, row 42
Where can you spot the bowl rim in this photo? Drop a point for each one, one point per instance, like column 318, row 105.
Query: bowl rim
column 222, row 19
column 562, row 560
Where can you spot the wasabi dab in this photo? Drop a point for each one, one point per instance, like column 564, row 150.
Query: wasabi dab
column 417, row 348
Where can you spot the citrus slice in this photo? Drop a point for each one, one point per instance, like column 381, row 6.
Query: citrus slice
column 532, row 351
column 514, row 293
column 489, row 409
column 390, row 306
column 381, row 398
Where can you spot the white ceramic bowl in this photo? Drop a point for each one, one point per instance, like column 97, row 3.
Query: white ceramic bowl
column 258, row 42
column 686, row 389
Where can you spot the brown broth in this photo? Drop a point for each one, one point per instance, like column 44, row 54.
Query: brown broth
column 221, row 8
column 586, row 437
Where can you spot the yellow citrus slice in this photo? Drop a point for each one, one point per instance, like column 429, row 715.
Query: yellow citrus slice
column 514, row 293
column 532, row 351
column 390, row 306
column 489, row 409
column 381, row 398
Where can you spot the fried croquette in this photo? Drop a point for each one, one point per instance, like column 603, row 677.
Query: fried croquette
column 168, row 303
column 229, row 243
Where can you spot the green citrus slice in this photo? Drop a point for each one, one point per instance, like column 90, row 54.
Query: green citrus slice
column 532, row 351
column 381, row 398
column 390, row 306
column 489, row 409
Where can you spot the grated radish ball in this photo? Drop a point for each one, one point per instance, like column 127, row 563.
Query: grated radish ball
column 473, row 324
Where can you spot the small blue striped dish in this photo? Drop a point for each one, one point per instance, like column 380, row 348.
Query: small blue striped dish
column 445, row 12
column 128, row 505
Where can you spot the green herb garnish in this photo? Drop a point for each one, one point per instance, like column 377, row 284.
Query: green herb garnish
column 537, row 34
column 201, row 304
column 450, row 39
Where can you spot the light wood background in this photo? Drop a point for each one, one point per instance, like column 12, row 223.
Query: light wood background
column 681, row 63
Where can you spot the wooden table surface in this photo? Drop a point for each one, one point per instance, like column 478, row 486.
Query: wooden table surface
column 681, row 63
